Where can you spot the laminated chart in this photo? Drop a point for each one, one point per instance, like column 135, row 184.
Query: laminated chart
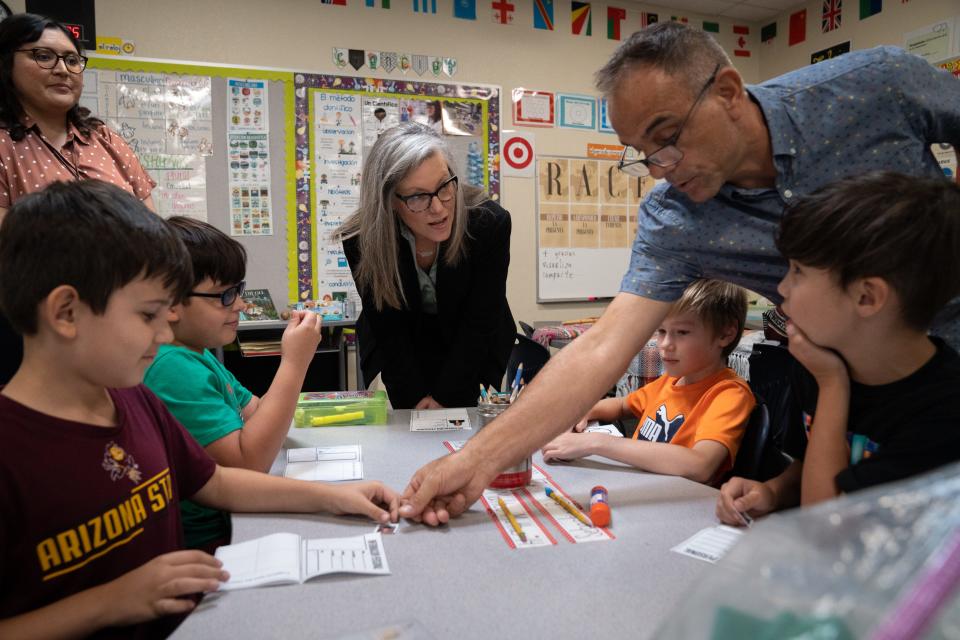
column 536, row 513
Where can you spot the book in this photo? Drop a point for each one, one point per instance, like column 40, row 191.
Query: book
column 259, row 306
column 286, row 558
column 252, row 348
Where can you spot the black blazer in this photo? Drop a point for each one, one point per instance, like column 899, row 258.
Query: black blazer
column 467, row 343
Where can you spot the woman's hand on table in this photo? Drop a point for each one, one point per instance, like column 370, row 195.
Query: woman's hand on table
column 428, row 403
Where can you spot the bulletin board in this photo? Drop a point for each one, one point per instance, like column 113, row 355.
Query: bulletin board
column 586, row 222
column 336, row 126
column 200, row 160
column 149, row 131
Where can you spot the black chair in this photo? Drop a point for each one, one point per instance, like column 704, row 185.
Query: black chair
column 527, row 329
column 758, row 457
column 532, row 354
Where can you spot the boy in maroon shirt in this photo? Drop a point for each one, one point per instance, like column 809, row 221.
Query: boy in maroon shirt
column 92, row 465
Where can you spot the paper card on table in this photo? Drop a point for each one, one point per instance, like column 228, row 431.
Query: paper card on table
column 286, row 558
column 710, row 544
column 325, row 464
column 595, row 427
column 439, row 420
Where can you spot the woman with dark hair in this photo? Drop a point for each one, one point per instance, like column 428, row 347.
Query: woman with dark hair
column 45, row 135
column 429, row 256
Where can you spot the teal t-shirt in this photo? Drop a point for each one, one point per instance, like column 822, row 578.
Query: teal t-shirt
column 207, row 400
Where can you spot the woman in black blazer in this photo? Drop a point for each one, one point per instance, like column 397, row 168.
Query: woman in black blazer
column 429, row 256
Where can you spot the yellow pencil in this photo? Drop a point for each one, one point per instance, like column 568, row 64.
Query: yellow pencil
column 569, row 507
column 513, row 521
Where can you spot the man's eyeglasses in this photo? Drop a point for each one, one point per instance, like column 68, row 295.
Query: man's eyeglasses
column 634, row 163
column 227, row 297
column 48, row 59
column 419, row 202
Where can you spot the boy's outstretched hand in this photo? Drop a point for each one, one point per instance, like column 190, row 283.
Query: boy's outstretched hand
column 570, row 446
column 301, row 337
column 739, row 495
column 372, row 499
column 157, row 588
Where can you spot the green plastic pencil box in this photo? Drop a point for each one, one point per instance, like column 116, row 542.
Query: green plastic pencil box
column 339, row 408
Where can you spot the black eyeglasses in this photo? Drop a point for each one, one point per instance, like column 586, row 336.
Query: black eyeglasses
column 48, row 59
column 633, row 162
column 418, row 202
column 227, row 297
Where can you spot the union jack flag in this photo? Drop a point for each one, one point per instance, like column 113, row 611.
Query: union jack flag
column 831, row 15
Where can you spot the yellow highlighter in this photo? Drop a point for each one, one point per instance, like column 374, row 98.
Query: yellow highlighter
column 339, row 418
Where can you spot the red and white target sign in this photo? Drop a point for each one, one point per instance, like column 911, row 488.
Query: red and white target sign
column 517, row 154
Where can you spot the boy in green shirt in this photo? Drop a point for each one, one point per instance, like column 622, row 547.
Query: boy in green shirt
column 237, row 428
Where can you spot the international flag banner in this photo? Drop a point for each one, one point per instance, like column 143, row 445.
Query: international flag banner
column 741, row 32
column 615, row 16
column 768, row 32
column 543, row 14
column 465, row 9
column 681, row 19
column 798, row 27
column 712, row 27
column 581, row 22
column 870, row 8
column 384, row 4
column 647, row 19
column 831, row 15
column 342, row 3
column 423, row 6
column 503, row 12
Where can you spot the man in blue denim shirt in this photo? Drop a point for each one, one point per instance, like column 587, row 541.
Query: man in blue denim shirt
column 732, row 157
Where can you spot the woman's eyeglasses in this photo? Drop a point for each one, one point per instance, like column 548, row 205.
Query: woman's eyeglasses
column 48, row 59
column 419, row 202
column 227, row 297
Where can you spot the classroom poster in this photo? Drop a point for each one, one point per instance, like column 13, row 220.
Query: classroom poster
column 181, row 184
column 586, row 223
column 340, row 121
column 247, row 102
column 933, row 42
column 153, row 112
column 248, row 179
column 379, row 114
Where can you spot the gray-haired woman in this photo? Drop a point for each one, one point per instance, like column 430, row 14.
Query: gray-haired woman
column 430, row 259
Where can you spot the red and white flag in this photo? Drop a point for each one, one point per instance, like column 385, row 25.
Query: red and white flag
column 832, row 12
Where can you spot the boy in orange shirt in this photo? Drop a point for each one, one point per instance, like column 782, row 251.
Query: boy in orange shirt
column 692, row 418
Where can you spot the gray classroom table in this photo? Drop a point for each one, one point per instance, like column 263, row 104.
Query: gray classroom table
column 462, row 580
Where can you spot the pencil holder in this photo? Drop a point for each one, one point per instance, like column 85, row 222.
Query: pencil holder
column 518, row 475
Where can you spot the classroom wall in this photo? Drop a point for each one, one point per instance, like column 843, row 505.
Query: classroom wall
column 884, row 28
column 299, row 34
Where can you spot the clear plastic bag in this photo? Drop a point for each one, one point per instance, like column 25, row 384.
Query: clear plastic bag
column 881, row 564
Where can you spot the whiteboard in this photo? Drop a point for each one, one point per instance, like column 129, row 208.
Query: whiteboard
column 586, row 221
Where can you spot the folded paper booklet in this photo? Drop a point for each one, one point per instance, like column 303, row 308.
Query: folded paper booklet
column 286, row 558
column 325, row 464
column 439, row 420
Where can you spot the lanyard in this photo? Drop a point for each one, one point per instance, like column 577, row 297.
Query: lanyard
column 72, row 168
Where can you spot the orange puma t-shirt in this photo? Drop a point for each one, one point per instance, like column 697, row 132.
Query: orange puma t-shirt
column 716, row 408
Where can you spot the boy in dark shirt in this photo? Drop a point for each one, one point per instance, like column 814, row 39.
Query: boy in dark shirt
column 872, row 259
column 92, row 464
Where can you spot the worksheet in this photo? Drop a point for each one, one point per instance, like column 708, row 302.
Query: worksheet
column 439, row 420
column 709, row 544
column 325, row 464
column 286, row 558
